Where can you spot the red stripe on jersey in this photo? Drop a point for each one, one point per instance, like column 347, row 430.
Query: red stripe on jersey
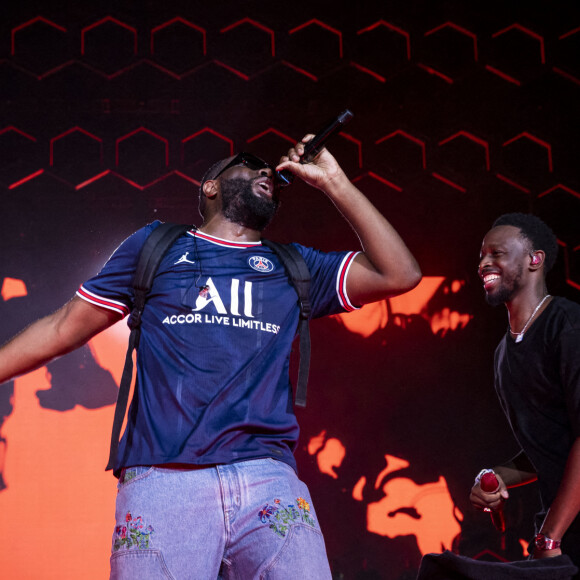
column 342, row 283
column 98, row 301
column 222, row 242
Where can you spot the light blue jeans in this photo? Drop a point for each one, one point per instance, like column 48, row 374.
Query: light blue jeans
column 252, row 519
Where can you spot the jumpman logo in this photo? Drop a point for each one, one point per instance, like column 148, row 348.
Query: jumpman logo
column 184, row 259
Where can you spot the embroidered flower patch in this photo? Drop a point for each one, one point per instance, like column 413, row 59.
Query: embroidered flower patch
column 279, row 518
column 132, row 534
column 128, row 475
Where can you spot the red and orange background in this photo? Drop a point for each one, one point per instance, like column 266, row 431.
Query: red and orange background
column 110, row 114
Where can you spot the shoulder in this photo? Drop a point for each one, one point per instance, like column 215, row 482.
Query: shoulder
column 315, row 255
column 148, row 229
column 324, row 265
column 562, row 328
column 290, row 251
column 565, row 314
column 129, row 249
column 136, row 240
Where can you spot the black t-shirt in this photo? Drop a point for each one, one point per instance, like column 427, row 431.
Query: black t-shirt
column 538, row 384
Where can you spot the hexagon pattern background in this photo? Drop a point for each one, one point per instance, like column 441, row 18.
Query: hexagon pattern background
column 112, row 111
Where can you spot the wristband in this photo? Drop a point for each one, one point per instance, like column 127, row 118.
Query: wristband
column 542, row 542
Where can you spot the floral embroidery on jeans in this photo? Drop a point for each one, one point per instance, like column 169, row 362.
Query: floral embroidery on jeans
column 132, row 534
column 128, row 475
column 279, row 518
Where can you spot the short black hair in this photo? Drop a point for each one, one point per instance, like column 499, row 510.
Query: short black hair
column 536, row 231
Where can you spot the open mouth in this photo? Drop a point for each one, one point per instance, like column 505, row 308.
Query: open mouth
column 264, row 186
column 490, row 280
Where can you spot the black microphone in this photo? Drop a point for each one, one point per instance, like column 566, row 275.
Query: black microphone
column 317, row 143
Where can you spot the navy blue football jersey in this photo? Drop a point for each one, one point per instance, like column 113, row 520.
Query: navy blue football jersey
column 213, row 360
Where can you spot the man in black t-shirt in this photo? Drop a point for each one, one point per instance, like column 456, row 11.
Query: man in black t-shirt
column 537, row 379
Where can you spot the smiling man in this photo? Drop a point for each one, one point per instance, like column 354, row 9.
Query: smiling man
column 537, row 379
column 208, row 485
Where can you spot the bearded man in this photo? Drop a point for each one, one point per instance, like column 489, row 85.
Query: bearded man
column 208, row 485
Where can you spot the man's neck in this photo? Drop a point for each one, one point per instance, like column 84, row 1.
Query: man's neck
column 227, row 230
column 521, row 308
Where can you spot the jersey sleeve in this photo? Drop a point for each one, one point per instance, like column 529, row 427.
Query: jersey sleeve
column 112, row 287
column 328, row 272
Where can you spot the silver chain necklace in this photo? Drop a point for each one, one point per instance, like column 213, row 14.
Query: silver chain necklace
column 520, row 335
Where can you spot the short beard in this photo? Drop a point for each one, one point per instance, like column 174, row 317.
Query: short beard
column 242, row 206
column 505, row 292
column 501, row 296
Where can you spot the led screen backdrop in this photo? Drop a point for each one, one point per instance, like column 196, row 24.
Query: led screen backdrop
column 110, row 114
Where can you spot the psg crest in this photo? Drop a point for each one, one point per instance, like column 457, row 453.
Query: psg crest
column 261, row 264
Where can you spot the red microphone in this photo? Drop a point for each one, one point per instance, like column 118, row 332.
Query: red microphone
column 490, row 484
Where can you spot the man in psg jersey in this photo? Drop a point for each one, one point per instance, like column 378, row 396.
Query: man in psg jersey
column 537, row 379
column 208, row 485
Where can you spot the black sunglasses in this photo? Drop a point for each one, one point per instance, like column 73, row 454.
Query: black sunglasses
column 283, row 178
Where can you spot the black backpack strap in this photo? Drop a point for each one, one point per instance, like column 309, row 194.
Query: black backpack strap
column 299, row 276
column 154, row 248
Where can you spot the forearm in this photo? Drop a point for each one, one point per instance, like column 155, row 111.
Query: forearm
column 387, row 254
column 566, row 506
column 32, row 348
column 55, row 335
column 386, row 267
column 517, row 471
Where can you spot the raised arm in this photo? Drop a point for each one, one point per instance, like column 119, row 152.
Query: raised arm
column 386, row 267
column 52, row 336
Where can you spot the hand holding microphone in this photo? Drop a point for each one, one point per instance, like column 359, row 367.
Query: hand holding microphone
column 313, row 147
column 490, row 484
column 317, row 143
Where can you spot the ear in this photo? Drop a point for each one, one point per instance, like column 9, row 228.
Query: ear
column 537, row 258
column 210, row 188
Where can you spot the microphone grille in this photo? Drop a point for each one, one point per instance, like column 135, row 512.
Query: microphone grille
column 489, row 482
